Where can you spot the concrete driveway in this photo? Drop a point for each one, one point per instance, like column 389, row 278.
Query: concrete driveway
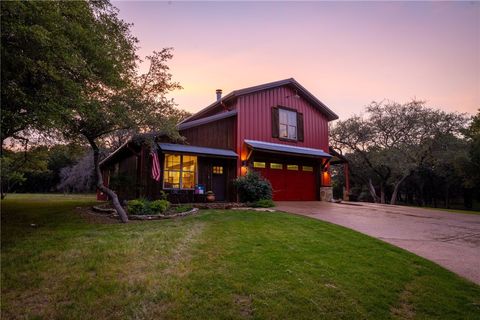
column 450, row 239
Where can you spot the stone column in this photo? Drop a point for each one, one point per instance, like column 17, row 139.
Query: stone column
column 326, row 193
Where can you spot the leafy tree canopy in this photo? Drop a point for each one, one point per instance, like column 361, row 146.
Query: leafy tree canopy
column 393, row 139
column 70, row 69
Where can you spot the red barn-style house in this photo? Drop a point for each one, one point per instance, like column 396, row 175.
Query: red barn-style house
column 279, row 129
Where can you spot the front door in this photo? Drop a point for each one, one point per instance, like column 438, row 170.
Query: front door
column 219, row 182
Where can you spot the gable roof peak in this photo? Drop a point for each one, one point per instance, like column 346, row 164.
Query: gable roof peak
column 266, row 86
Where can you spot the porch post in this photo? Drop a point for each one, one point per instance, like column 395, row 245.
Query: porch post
column 326, row 191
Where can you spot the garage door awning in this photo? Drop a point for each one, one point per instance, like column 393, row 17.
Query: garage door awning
column 286, row 149
column 187, row 149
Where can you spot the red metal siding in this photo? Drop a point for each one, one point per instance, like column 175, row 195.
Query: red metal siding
column 254, row 119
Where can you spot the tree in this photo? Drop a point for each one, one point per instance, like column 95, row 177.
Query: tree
column 78, row 177
column 138, row 106
column 37, row 169
column 393, row 139
column 97, row 74
column 11, row 177
column 49, row 52
column 472, row 133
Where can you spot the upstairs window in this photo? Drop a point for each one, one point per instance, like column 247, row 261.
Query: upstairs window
column 287, row 124
column 180, row 171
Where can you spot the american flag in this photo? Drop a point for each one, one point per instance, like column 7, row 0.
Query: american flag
column 155, row 165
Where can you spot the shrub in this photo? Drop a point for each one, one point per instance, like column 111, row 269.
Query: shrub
column 159, row 206
column 253, row 187
column 163, row 195
column 138, row 206
column 144, row 207
column 183, row 208
column 264, row 203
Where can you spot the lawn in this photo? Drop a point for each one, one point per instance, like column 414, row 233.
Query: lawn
column 217, row 264
column 454, row 210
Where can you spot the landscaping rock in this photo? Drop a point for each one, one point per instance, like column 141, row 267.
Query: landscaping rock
column 103, row 209
column 163, row 216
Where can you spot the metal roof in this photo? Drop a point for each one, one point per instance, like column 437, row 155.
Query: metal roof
column 291, row 81
column 282, row 148
column 183, row 148
column 206, row 120
column 111, row 155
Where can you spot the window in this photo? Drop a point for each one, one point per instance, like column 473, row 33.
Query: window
column 287, row 124
column 180, row 172
column 292, row 167
column 307, row 168
column 276, row 166
column 259, row 164
column 217, row 170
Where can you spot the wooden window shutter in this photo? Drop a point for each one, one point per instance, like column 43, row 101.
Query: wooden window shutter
column 275, row 122
column 300, row 126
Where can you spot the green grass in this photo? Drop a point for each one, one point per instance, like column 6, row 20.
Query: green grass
column 218, row 264
column 453, row 210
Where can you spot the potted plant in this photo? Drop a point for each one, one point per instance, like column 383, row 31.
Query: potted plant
column 210, row 196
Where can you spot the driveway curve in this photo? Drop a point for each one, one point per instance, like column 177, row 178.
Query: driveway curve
column 450, row 239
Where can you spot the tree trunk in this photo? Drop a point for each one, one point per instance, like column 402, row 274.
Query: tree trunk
column 112, row 195
column 393, row 199
column 447, row 197
column 382, row 193
column 373, row 193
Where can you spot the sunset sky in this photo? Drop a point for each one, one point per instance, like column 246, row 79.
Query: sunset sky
column 346, row 54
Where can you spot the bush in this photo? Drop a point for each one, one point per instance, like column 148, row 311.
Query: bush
column 263, row 203
column 159, row 206
column 183, row 208
column 138, row 206
column 145, row 207
column 253, row 187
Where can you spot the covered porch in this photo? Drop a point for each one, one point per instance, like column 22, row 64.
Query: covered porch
column 189, row 172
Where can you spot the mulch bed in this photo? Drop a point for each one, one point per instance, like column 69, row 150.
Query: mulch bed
column 96, row 218
column 105, row 214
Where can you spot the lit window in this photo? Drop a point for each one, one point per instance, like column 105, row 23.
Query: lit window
column 276, row 165
column 292, row 167
column 307, row 168
column 217, row 170
column 259, row 164
column 287, row 124
column 180, row 172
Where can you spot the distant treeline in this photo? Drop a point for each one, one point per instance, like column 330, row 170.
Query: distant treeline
column 59, row 168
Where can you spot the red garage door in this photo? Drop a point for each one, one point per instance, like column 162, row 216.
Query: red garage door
column 289, row 181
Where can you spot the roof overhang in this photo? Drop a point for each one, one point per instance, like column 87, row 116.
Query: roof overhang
column 114, row 153
column 202, row 121
column 286, row 149
column 201, row 151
